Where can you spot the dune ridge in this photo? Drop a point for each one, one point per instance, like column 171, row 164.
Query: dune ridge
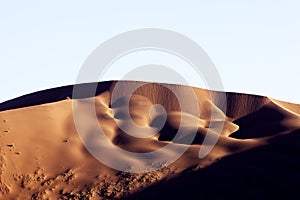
column 42, row 156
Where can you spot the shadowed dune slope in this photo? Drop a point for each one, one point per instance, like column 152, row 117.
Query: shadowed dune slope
column 48, row 96
column 237, row 104
column 42, row 156
column 266, row 172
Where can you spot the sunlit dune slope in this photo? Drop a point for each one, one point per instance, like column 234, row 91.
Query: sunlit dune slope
column 42, row 155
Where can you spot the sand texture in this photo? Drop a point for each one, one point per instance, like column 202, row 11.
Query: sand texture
column 257, row 155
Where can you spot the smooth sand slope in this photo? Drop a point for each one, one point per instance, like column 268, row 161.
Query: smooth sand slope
column 42, row 157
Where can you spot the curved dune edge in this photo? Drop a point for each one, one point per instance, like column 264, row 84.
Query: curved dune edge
column 42, row 156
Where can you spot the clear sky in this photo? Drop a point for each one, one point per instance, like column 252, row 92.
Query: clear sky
column 254, row 44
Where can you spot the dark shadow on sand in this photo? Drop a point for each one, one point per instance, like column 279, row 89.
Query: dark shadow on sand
column 266, row 172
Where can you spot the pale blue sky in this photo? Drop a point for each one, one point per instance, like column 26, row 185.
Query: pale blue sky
column 254, row 44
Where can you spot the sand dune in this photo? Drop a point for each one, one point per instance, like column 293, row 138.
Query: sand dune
column 42, row 155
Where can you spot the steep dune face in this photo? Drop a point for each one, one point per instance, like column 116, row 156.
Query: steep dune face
column 271, row 119
column 43, row 156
